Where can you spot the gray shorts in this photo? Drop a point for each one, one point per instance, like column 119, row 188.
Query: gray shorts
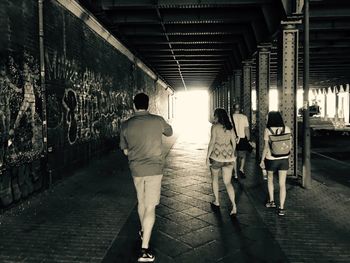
column 148, row 189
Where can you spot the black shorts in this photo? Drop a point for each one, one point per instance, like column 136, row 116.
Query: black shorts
column 218, row 165
column 277, row 165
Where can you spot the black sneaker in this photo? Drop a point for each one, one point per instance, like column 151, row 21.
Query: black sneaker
column 146, row 256
column 281, row 211
column 242, row 174
column 270, row 204
column 141, row 234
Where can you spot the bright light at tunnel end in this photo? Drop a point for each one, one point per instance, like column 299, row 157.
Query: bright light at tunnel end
column 191, row 114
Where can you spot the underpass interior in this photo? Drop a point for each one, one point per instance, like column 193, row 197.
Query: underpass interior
column 68, row 73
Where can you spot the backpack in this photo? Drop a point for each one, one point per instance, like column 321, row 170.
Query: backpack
column 280, row 144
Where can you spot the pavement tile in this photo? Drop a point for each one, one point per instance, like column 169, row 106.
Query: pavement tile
column 91, row 221
column 179, row 217
column 194, row 211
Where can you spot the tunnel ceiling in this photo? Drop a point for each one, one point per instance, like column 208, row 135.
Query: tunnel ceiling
column 190, row 43
column 329, row 42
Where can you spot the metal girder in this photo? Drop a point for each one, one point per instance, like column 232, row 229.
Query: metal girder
column 287, row 84
column 262, row 87
column 272, row 18
column 329, row 25
column 117, row 4
column 196, row 65
column 329, row 11
column 260, row 30
column 184, row 16
column 160, row 61
column 197, row 46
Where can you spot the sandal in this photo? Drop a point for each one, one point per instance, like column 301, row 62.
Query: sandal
column 233, row 211
column 214, row 205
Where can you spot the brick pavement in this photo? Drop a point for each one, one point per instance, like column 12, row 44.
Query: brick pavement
column 74, row 221
column 83, row 219
column 188, row 229
column 316, row 226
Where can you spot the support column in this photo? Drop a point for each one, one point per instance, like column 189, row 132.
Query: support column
column 288, row 84
column 246, row 98
column 238, row 85
column 262, row 88
column 325, row 104
column 225, row 91
column 229, row 94
column 232, row 93
column 336, row 103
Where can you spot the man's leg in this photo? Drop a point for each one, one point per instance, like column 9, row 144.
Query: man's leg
column 147, row 225
column 139, row 183
column 152, row 198
column 242, row 157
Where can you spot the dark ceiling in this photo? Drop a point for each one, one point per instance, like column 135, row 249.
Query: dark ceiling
column 191, row 43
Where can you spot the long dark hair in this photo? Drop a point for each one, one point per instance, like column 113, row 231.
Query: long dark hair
column 223, row 118
column 274, row 119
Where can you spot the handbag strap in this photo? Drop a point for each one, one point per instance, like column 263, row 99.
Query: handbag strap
column 234, row 125
column 275, row 133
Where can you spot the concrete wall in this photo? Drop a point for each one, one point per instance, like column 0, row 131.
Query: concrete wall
column 89, row 89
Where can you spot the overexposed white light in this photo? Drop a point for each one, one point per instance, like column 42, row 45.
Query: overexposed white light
column 330, row 108
column 254, row 100
column 273, row 99
column 192, row 113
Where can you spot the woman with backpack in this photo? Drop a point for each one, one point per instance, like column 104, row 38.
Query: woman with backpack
column 275, row 157
column 221, row 156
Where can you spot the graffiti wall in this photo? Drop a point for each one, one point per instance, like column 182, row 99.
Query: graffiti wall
column 21, row 141
column 89, row 86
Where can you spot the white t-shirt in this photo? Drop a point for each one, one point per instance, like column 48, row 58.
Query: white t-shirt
column 266, row 138
column 240, row 122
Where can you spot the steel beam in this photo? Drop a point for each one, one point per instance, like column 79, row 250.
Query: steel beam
column 144, row 4
column 287, row 85
column 262, row 88
column 306, row 173
column 237, row 74
column 246, row 99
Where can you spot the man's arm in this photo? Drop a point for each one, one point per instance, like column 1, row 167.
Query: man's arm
column 123, row 143
column 246, row 128
column 167, row 129
column 247, row 132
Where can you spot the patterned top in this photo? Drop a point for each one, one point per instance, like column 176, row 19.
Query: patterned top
column 223, row 150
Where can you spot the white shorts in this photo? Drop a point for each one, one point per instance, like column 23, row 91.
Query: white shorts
column 148, row 189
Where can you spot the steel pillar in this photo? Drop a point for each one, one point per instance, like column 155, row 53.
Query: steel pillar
column 238, row 85
column 336, row 116
column 232, row 93
column 262, row 88
column 225, row 93
column 288, row 83
column 246, row 93
column 306, row 117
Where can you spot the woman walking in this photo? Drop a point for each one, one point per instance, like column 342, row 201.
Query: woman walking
column 221, row 156
column 274, row 163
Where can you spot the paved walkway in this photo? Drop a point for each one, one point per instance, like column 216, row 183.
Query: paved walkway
column 91, row 217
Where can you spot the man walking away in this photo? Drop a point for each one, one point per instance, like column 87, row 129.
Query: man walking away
column 141, row 141
column 241, row 125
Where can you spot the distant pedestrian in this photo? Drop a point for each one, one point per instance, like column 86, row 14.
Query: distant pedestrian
column 221, row 156
column 141, row 141
column 241, row 127
column 275, row 163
